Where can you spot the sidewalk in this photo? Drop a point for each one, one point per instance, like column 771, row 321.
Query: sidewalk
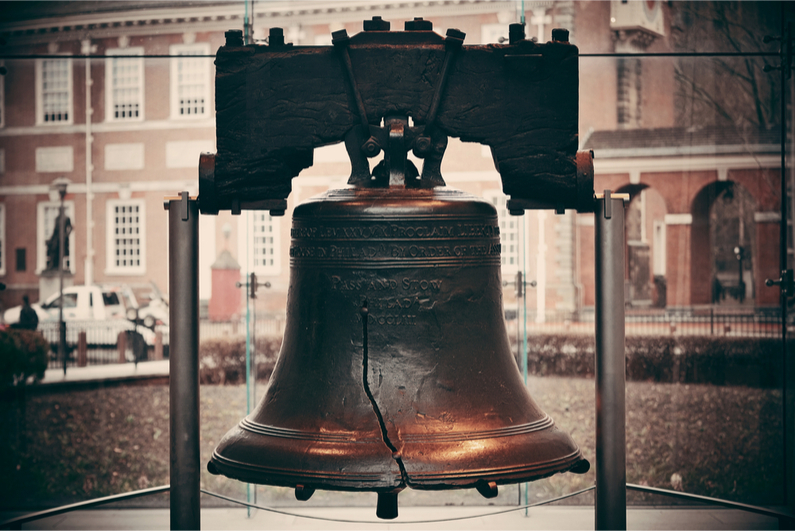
column 556, row 517
column 110, row 374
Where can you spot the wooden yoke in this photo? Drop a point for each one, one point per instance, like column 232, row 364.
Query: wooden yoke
column 275, row 104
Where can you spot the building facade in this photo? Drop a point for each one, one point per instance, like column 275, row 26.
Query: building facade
column 119, row 99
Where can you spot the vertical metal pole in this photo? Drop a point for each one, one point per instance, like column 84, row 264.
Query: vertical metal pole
column 611, row 468
column 252, row 375
column 183, row 280
column 61, row 243
column 788, row 380
column 522, row 286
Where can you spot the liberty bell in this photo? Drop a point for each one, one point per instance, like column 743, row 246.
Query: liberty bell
column 395, row 369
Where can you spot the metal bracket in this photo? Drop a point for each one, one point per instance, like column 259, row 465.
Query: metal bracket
column 253, row 284
column 785, row 51
column 786, row 281
column 367, row 141
column 183, row 205
column 608, row 196
column 183, row 196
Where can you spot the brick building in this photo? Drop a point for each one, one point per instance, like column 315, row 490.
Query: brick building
column 126, row 129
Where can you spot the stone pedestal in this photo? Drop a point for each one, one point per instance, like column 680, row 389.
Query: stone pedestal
column 49, row 283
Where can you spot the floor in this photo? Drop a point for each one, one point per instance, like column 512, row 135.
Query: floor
column 411, row 518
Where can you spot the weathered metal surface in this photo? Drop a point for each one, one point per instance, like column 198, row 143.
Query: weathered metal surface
column 395, row 368
column 275, row 104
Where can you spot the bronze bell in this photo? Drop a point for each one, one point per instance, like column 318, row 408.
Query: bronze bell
column 395, row 369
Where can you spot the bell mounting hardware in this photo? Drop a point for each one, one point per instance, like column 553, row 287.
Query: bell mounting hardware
column 395, row 92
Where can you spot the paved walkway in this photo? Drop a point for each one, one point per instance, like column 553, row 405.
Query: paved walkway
column 537, row 518
column 111, row 373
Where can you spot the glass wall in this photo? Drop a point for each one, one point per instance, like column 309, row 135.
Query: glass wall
column 685, row 117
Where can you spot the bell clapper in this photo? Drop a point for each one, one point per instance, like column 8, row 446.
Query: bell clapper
column 387, row 506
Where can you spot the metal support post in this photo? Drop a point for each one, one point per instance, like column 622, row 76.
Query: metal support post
column 183, row 280
column 61, row 244
column 611, row 466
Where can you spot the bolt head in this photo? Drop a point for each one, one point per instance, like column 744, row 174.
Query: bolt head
column 516, row 33
column 234, row 37
column 276, row 37
column 422, row 145
column 371, row 148
column 376, row 24
column 560, row 35
column 418, row 24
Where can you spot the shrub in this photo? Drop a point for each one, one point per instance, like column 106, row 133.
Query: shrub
column 223, row 360
column 23, row 354
column 754, row 362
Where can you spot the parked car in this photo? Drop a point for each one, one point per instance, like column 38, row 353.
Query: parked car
column 84, row 303
column 100, row 311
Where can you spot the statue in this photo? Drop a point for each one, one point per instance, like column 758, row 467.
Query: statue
column 53, row 243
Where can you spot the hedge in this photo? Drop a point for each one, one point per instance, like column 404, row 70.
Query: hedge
column 754, row 362
column 23, row 355
column 223, row 360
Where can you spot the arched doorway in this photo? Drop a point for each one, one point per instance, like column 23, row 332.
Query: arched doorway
column 723, row 223
column 644, row 271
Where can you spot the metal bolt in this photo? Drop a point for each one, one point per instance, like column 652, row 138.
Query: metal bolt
column 422, row 146
column 234, row 37
column 516, row 33
column 276, row 37
column 371, row 148
column 377, row 24
column 340, row 38
column 560, row 35
column 418, row 24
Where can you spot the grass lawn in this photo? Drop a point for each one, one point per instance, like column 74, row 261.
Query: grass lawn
column 63, row 447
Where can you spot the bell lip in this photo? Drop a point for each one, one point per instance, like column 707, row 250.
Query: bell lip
column 261, row 475
column 219, row 465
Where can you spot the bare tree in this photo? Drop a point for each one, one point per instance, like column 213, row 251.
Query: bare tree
column 726, row 91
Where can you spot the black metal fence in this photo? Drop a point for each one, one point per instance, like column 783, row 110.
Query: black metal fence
column 699, row 321
column 102, row 338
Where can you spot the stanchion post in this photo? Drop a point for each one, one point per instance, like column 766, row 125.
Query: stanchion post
column 183, row 280
column 611, row 467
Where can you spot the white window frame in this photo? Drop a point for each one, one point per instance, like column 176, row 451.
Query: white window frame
column 3, row 254
column 42, row 234
column 109, row 83
column 40, row 93
column 498, row 200
column 202, row 48
column 275, row 246
column 110, row 235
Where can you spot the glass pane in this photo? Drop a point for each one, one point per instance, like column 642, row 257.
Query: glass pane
column 694, row 141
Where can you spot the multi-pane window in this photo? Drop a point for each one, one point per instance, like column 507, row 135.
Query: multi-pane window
column 264, row 249
column 190, row 81
column 125, row 237
column 47, row 216
column 509, row 234
column 54, row 91
column 124, row 90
